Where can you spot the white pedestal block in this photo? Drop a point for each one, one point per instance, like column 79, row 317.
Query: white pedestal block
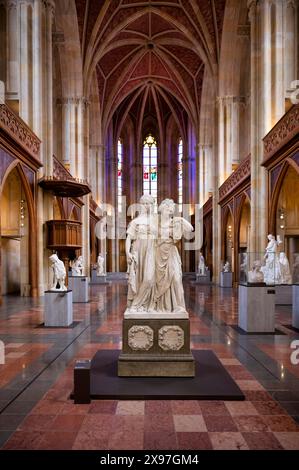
column 203, row 279
column 295, row 312
column 283, row 295
column 226, row 279
column 58, row 308
column 79, row 286
column 257, row 309
column 95, row 279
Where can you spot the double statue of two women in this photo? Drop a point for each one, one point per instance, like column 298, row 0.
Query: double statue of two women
column 154, row 264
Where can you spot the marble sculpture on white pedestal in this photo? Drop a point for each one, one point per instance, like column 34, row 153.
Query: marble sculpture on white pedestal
column 226, row 267
column 271, row 269
column 59, row 274
column 256, row 275
column 100, row 265
column 202, row 268
column 78, row 266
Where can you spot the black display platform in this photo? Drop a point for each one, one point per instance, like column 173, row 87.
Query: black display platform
column 212, row 381
column 72, row 325
column 255, row 333
column 292, row 328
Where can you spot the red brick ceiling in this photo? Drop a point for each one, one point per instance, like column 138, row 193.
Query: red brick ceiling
column 150, row 52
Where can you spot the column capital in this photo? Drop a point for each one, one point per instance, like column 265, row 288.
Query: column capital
column 202, row 146
column 49, row 4
column 292, row 3
column 230, row 99
column 251, row 5
column 9, row 4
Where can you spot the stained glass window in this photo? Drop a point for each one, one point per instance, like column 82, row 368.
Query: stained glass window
column 150, row 153
column 180, row 175
column 119, row 174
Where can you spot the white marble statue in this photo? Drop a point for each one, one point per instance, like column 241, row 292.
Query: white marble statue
column 140, row 251
column 272, row 270
column 169, row 292
column 202, row 268
column 285, row 273
column 256, row 275
column 154, row 265
column 59, row 274
column 78, row 266
column 226, row 267
column 100, row 265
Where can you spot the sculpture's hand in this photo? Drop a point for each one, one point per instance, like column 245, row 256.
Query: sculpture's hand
column 129, row 258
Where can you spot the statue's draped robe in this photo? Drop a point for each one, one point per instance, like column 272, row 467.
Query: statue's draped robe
column 169, row 292
column 141, row 280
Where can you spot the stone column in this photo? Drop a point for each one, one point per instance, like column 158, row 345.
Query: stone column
column 50, row 8
column 25, row 48
column 66, row 136
column 278, row 68
column 205, row 172
column 12, row 50
column 261, row 122
column 37, row 76
column 221, row 141
column 290, row 38
column 72, row 136
column 81, row 159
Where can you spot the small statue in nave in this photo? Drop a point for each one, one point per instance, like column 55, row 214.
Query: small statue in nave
column 201, row 265
column 78, row 266
column 226, row 267
column 100, row 265
column 256, row 275
column 59, row 274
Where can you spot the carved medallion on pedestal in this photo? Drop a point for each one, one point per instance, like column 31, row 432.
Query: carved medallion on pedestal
column 140, row 338
column 171, row 338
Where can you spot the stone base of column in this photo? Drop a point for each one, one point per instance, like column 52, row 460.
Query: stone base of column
column 156, row 345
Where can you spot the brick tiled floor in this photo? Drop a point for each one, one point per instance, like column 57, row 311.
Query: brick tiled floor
column 51, row 420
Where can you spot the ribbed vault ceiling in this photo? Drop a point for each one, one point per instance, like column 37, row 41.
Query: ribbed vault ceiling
column 150, row 53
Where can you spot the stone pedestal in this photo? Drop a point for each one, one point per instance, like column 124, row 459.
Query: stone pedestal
column 283, row 295
column 95, row 279
column 257, row 308
column 295, row 311
column 58, row 308
column 156, row 345
column 226, row 279
column 79, row 286
column 203, row 279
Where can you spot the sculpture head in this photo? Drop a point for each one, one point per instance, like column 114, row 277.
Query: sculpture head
column 54, row 258
column 148, row 202
column 167, row 207
column 257, row 265
column 271, row 237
